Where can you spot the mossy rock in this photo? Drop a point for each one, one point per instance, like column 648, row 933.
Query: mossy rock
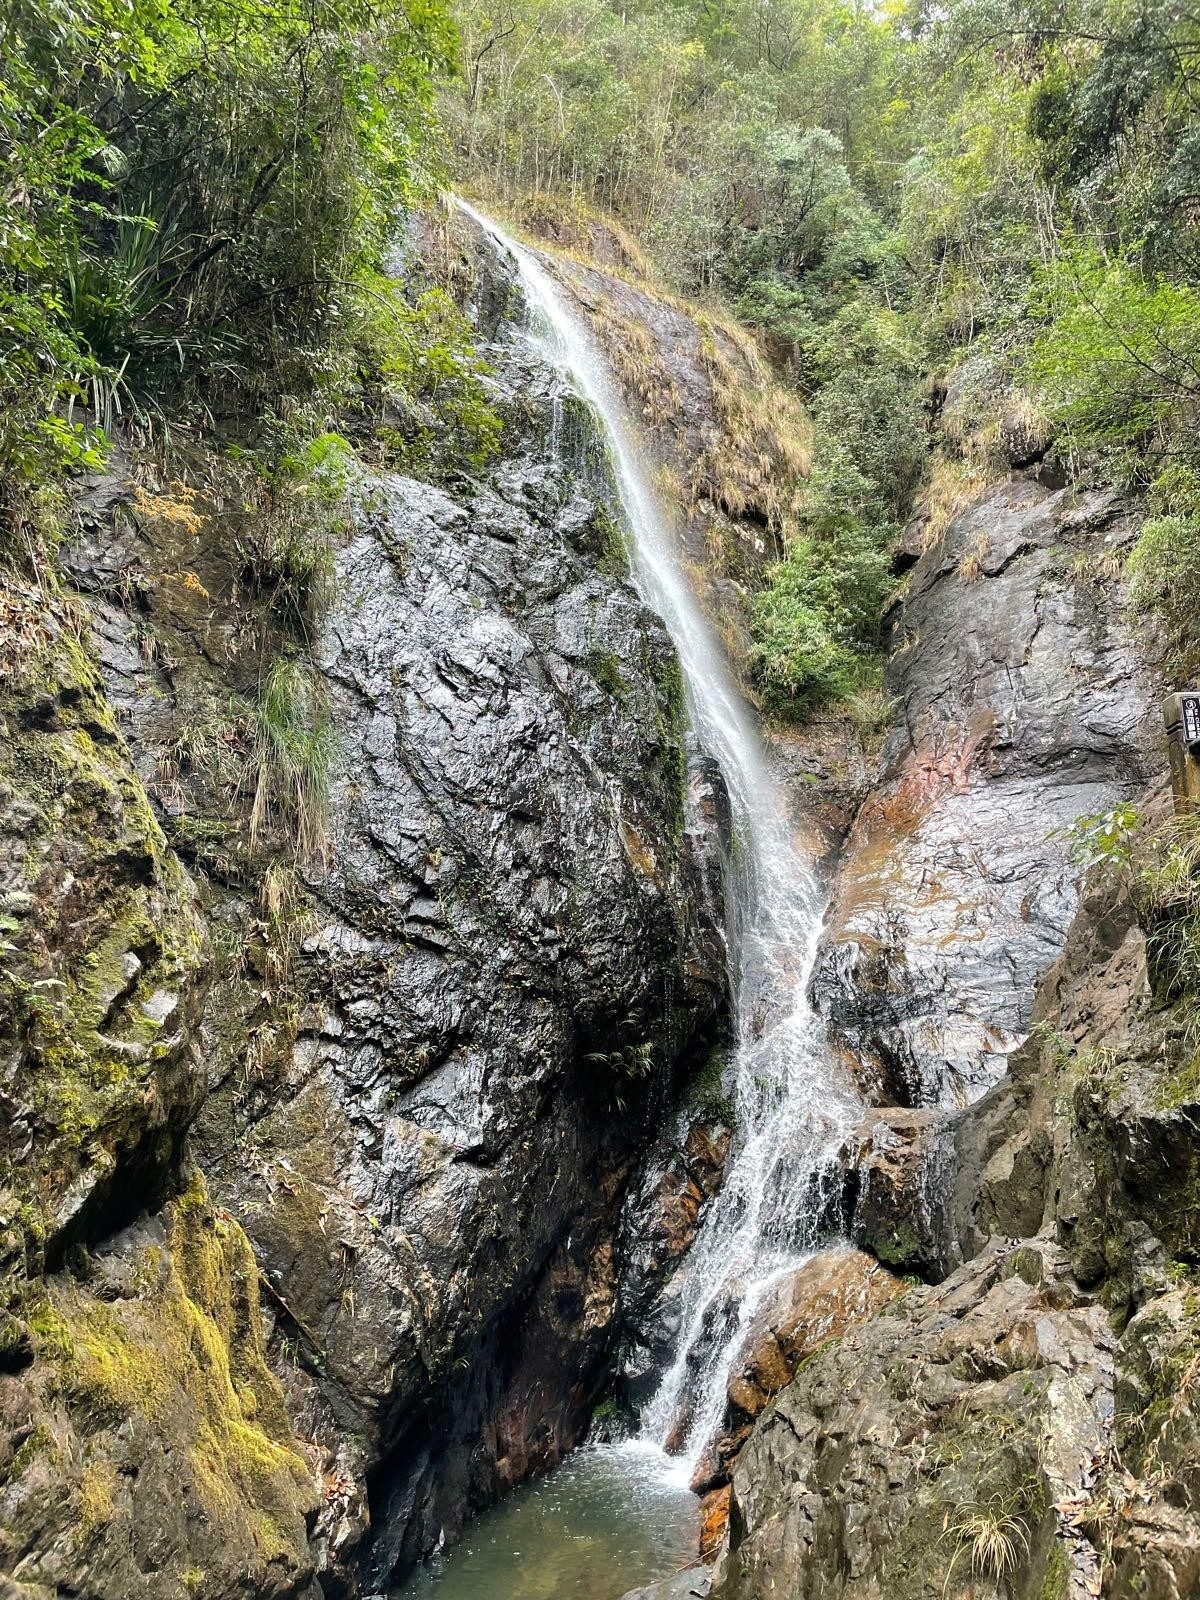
column 159, row 1424
column 104, row 956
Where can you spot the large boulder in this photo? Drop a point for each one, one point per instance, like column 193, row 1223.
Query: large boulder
column 964, row 1411
column 819, row 1301
column 441, row 1038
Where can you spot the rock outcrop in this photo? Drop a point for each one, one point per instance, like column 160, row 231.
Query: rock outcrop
column 1021, row 704
column 1031, row 1416
column 145, row 1452
column 415, row 1060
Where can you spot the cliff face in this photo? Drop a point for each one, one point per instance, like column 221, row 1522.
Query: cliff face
column 1043, row 1396
column 326, row 1186
column 365, row 1113
column 1025, row 1423
column 146, row 1449
column 1021, row 705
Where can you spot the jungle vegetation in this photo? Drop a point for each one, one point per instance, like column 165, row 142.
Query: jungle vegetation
column 976, row 224
column 978, row 221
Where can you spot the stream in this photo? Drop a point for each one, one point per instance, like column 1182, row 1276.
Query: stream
column 611, row 1517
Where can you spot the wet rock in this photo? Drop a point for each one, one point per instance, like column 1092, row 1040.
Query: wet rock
column 1046, row 1386
column 866, row 1474
column 514, row 940
column 714, row 1521
column 818, row 1302
column 1022, row 705
column 901, row 1164
column 663, row 1210
column 437, row 1048
column 476, row 1046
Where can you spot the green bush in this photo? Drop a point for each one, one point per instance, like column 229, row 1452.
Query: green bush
column 421, row 365
column 811, row 625
column 1119, row 360
column 795, row 660
column 291, row 751
column 194, row 203
column 1164, row 565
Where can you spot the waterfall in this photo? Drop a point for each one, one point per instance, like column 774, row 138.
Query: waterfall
column 794, row 1105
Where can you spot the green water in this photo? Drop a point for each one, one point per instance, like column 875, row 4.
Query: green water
column 610, row 1518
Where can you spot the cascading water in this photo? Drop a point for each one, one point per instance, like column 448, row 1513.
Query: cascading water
column 793, row 1108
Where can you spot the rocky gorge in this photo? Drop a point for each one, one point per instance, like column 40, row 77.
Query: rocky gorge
column 339, row 1191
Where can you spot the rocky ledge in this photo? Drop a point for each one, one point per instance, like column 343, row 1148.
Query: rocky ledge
column 1024, row 1423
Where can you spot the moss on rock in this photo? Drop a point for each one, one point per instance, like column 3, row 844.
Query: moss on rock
column 170, row 1373
column 103, row 946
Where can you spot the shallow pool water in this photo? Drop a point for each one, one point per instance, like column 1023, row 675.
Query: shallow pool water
column 609, row 1518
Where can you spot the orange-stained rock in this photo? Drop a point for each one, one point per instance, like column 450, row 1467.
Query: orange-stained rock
column 714, row 1521
column 820, row 1300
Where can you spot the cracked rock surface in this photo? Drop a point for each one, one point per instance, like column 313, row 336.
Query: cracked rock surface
column 1021, row 704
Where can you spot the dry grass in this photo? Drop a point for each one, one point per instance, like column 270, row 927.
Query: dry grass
column 992, row 1534
column 954, row 486
column 970, row 566
column 765, row 442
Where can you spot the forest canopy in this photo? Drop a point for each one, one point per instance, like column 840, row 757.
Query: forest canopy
column 982, row 215
column 965, row 234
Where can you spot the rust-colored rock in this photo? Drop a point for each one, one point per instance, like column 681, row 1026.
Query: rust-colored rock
column 819, row 1301
column 714, row 1522
column 823, row 1298
column 684, row 1188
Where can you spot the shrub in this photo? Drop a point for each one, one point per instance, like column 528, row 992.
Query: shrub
column 1164, row 565
column 193, row 206
column 795, row 659
column 1119, row 362
column 291, row 749
column 419, row 364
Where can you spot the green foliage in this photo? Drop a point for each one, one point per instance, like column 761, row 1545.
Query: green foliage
column 819, row 608
column 194, row 204
column 1164, row 564
column 1105, row 838
column 1119, row 363
column 813, row 624
column 430, row 384
column 1167, row 889
column 288, row 768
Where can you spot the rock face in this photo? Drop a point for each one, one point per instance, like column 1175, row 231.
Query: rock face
column 731, row 440
column 1021, row 705
column 1024, row 1425
column 821, row 1300
column 900, row 1165
column 145, row 1452
column 663, row 1210
column 1030, row 1418
column 503, row 965
column 417, row 1065
column 875, row 1469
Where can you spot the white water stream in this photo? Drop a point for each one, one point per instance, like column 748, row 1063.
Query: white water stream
column 794, row 1106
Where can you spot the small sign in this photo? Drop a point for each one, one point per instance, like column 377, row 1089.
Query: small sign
column 1181, row 718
